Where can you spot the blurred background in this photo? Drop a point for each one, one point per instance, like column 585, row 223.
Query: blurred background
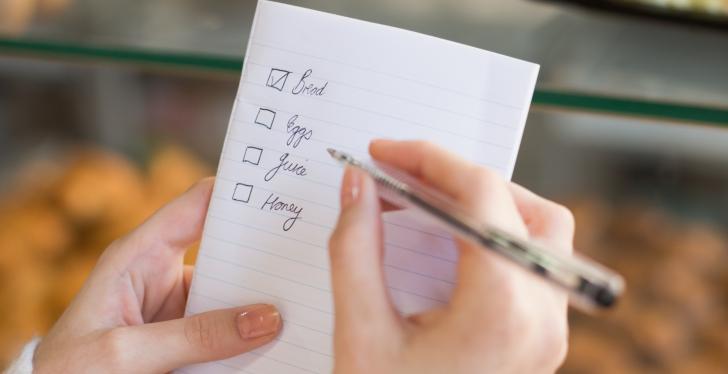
column 110, row 108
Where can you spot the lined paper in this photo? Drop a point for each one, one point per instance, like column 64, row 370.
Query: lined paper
column 310, row 81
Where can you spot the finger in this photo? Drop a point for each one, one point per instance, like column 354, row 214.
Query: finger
column 426, row 318
column 164, row 346
column 176, row 225
column 179, row 223
column 481, row 193
column 360, row 295
column 444, row 170
column 479, row 190
column 187, row 277
column 546, row 220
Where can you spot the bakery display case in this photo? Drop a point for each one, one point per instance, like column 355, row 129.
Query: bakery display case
column 109, row 109
column 708, row 13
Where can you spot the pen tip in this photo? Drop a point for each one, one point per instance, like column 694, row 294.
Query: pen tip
column 331, row 151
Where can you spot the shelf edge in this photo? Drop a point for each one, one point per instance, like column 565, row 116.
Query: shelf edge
column 543, row 97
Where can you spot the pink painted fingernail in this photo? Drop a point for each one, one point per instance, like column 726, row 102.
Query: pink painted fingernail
column 259, row 320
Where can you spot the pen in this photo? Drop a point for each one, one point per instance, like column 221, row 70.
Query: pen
column 590, row 285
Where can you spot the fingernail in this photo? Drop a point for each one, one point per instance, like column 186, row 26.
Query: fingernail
column 259, row 321
column 350, row 187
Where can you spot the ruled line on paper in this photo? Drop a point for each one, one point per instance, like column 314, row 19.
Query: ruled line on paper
column 279, row 151
column 417, row 103
column 447, row 262
column 308, row 180
column 364, row 153
column 282, row 194
column 265, row 252
column 464, row 94
column 387, row 265
column 328, row 290
column 335, row 211
column 321, row 247
column 254, row 353
column 301, row 304
column 275, row 200
column 296, row 318
column 234, row 367
column 287, row 321
column 392, row 117
column 354, row 151
column 199, row 274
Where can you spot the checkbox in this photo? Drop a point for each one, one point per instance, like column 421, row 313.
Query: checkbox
column 277, row 78
column 252, row 155
column 265, row 117
column 242, row 192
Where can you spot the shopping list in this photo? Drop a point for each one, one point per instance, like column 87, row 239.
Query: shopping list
column 311, row 81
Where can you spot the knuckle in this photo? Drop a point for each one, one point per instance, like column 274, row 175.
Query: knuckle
column 425, row 145
column 361, row 349
column 563, row 217
column 347, row 236
column 337, row 241
column 555, row 347
column 484, row 179
column 200, row 332
column 550, row 339
column 561, row 349
column 110, row 252
column 113, row 344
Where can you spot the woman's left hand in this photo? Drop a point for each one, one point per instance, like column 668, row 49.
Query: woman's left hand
column 127, row 317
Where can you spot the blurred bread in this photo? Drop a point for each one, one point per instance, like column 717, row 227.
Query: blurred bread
column 15, row 15
column 172, row 170
column 100, row 187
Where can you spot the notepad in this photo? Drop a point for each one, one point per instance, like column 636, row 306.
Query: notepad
column 311, row 81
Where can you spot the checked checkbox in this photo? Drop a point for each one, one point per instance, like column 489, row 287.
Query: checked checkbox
column 277, row 78
column 242, row 192
column 265, row 117
column 252, row 155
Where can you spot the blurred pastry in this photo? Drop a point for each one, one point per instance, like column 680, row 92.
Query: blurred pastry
column 172, row 170
column 100, row 187
column 44, row 231
column 702, row 247
column 675, row 283
column 591, row 217
column 593, row 353
column 68, row 280
column 660, row 334
column 15, row 15
column 52, row 7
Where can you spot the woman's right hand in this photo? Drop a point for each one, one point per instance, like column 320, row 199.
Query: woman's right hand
column 500, row 319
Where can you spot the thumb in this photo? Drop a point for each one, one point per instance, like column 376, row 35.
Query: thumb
column 360, row 295
column 215, row 335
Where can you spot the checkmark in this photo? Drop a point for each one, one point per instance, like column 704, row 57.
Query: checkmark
column 277, row 78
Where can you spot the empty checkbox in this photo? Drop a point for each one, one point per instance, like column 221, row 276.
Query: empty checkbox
column 252, row 155
column 277, row 78
column 265, row 117
column 242, row 192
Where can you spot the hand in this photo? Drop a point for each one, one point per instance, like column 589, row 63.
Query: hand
column 500, row 318
column 127, row 317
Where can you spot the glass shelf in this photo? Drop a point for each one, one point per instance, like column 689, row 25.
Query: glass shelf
column 590, row 61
